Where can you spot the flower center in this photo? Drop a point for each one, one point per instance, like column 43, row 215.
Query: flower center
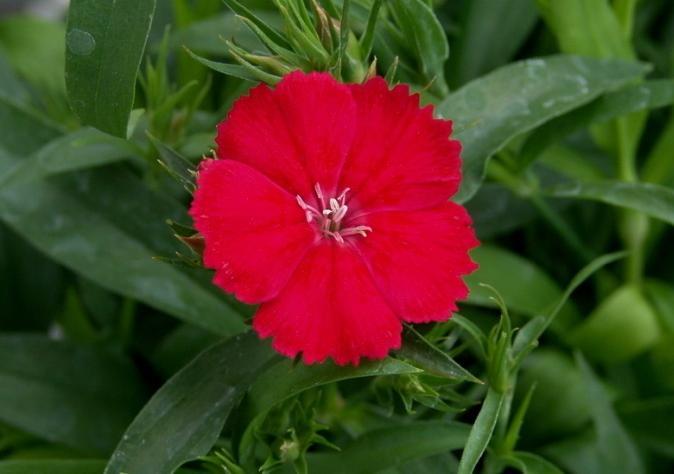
column 331, row 215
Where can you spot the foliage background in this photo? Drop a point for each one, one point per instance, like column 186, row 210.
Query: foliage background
column 117, row 354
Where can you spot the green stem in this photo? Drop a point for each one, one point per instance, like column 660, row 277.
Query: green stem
column 624, row 10
column 528, row 189
column 633, row 225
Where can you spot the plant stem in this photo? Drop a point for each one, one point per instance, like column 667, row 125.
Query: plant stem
column 633, row 225
column 527, row 188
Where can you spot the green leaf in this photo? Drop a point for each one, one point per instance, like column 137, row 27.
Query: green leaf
column 657, row 167
column 529, row 463
column 659, row 364
column 105, row 41
column 632, row 98
column 184, row 418
column 85, row 148
column 527, row 338
column 176, row 164
column 614, row 446
column 432, row 360
column 35, row 48
column 421, row 27
column 488, row 112
column 491, row 33
column 51, row 389
column 559, row 406
column 651, row 422
column 591, row 28
column 623, row 326
column 24, row 130
column 179, row 347
column 205, row 36
column 111, row 236
column 650, row 199
column 661, row 297
column 532, row 293
column 55, row 466
column 286, row 379
column 391, row 446
column 586, row 27
column 481, row 432
column 367, row 40
column 496, row 210
column 249, row 73
column 512, row 435
column 239, row 9
column 36, row 296
column 578, row 454
column 10, row 85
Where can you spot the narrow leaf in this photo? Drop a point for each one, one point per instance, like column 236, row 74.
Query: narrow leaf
column 238, row 8
column 529, row 463
column 105, row 41
column 286, row 379
column 391, row 446
column 85, row 148
column 490, row 111
column 111, row 236
column 615, row 448
column 481, row 432
column 55, row 466
column 528, row 336
column 51, row 389
column 491, row 33
column 184, row 418
column 650, row 199
column 651, row 422
column 236, row 70
column 419, row 24
column 532, row 293
column 425, row 355
column 633, row 98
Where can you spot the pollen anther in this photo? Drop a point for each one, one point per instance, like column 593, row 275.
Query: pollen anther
column 330, row 217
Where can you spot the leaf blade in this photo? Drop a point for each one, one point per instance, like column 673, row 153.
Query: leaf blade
column 490, row 111
column 104, row 46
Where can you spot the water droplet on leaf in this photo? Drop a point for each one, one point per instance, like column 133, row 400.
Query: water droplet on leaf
column 80, row 42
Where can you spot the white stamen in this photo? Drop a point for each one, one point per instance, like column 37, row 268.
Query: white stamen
column 339, row 215
column 330, row 217
column 358, row 230
column 319, row 193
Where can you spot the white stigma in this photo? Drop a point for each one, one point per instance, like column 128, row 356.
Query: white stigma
column 331, row 215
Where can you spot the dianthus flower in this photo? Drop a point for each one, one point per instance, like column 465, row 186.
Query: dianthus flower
column 328, row 205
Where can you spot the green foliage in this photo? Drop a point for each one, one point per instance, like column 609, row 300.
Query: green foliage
column 105, row 42
column 492, row 110
column 117, row 354
column 38, row 374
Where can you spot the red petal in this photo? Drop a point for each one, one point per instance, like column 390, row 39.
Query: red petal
column 255, row 233
column 330, row 308
column 417, row 259
column 297, row 134
column 401, row 157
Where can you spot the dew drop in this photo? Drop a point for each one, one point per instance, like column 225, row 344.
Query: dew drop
column 80, row 42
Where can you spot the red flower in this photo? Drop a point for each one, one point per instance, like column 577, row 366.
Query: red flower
column 329, row 206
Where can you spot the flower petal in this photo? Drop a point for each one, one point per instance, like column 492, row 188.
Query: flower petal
column 297, row 134
column 417, row 259
column 401, row 157
column 254, row 231
column 330, row 308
